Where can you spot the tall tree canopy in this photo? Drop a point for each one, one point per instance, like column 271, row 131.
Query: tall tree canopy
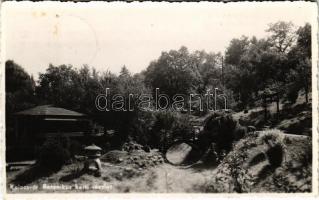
column 173, row 73
column 19, row 86
column 282, row 35
column 236, row 50
column 299, row 59
column 278, row 64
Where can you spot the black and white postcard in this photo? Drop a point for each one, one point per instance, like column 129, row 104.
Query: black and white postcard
column 194, row 98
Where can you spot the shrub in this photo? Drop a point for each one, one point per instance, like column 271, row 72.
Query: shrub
column 169, row 126
column 75, row 148
column 54, row 153
column 141, row 127
column 156, row 129
column 272, row 137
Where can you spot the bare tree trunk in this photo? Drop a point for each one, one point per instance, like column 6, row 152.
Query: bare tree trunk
column 306, row 95
column 265, row 108
column 306, row 85
column 277, row 103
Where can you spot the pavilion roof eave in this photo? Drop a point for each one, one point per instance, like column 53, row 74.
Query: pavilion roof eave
column 50, row 111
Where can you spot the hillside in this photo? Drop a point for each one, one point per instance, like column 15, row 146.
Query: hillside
column 293, row 118
column 267, row 161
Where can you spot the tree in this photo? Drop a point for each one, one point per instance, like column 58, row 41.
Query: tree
column 87, row 85
column 208, row 68
column 259, row 68
column 304, row 39
column 57, row 86
column 125, row 72
column 250, row 72
column 236, row 50
column 300, row 61
column 282, row 35
column 20, row 88
column 19, row 94
column 173, row 73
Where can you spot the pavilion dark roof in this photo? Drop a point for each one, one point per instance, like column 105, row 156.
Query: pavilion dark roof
column 49, row 110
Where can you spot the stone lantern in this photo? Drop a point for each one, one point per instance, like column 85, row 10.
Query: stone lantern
column 93, row 163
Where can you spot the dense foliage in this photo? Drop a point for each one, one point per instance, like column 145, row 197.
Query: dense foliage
column 277, row 66
column 54, row 153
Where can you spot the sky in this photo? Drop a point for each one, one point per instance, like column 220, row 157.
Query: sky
column 109, row 35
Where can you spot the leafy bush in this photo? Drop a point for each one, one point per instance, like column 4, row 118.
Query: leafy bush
column 54, row 153
column 272, row 137
column 142, row 126
column 169, row 126
column 157, row 129
column 75, row 148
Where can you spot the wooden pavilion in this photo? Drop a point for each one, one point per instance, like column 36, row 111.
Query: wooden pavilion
column 33, row 126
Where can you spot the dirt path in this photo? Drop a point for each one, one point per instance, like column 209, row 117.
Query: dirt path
column 168, row 178
column 176, row 179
